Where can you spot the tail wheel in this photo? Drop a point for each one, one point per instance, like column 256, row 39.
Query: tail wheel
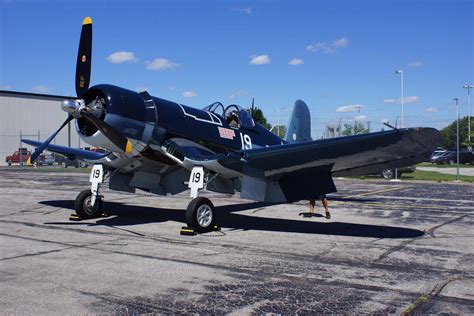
column 83, row 205
column 200, row 215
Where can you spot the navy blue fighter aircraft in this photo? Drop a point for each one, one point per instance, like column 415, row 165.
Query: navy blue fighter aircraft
column 165, row 147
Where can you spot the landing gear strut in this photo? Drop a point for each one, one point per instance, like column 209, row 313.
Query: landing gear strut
column 200, row 213
column 88, row 203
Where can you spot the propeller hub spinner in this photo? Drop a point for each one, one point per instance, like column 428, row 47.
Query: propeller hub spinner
column 71, row 107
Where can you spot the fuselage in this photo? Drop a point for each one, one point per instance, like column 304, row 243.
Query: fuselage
column 149, row 119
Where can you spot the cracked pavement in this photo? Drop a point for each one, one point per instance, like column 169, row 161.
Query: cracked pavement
column 388, row 248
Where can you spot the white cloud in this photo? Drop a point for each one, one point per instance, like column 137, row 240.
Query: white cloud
column 328, row 48
column 259, row 59
column 5, row 87
column 296, row 62
column 121, row 57
column 411, row 99
column 189, row 94
column 390, row 101
column 160, row 64
column 350, row 108
column 247, row 11
column 141, row 89
column 42, row 89
column 360, row 118
column 431, row 109
column 238, row 93
column 316, row 47
column 340, row 42
column 416, row 64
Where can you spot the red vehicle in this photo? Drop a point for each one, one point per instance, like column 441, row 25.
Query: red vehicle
column 21, row 154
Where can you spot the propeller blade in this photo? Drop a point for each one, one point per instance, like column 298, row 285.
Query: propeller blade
column 84, row 58
column 116, row 138
column 40, row 149
column 252, row 109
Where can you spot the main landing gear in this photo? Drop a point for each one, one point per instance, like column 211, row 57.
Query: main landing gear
column 84, row 207
column 200, row 215
column 88, row 203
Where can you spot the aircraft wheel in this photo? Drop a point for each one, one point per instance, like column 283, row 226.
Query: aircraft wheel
column 9, row 162
column 200, row 214
column 83, row 205
column 388, row 173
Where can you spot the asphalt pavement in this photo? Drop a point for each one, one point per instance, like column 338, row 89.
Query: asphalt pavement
column 388, row 248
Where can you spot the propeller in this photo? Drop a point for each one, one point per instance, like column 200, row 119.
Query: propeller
column 115, row 137
column 84, row 58
column 40, row 149
column 78, row 109
column 252, row 108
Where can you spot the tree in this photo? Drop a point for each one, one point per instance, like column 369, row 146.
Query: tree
column 258, row 117
column 448, row 134
column 279, row 130
column 355, row 129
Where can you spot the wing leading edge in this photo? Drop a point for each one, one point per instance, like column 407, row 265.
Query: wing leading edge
column 74, row 153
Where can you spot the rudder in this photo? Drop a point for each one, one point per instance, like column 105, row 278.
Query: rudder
column 299, row 127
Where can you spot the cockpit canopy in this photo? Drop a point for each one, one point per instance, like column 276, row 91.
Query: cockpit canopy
column 233, row 114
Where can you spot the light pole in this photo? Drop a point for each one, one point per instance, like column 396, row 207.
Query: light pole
column 278, row 110
column 457, row 137
column 278, row 120
column 400, row 72
column 469, row 87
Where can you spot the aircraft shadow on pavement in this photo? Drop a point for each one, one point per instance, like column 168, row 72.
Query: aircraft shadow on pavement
column 126, row 215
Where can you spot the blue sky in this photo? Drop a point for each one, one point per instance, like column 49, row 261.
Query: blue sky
column 334, row 55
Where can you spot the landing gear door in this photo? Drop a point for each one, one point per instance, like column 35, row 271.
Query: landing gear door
column 96, row 178
column 196, row 181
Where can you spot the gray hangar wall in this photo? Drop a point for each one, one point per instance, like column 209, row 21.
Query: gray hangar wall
column 34, row 117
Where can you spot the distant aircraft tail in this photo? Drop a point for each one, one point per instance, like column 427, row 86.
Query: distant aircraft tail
column 299, row 127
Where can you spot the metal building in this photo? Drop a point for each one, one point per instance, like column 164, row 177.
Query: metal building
column 32, row 116
column 332, row 131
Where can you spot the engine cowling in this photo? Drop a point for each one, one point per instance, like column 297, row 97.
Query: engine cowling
column 115, row 106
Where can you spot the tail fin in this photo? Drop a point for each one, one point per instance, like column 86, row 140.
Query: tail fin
column 299, row 127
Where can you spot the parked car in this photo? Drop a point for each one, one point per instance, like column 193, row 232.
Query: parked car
column 451, row 158
column 466, row 156
column 21, row 154
column 437, row 152
column 72, row 163
column 390, row 173
column 98, row 150
column 46, row 159
column 434, row 157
